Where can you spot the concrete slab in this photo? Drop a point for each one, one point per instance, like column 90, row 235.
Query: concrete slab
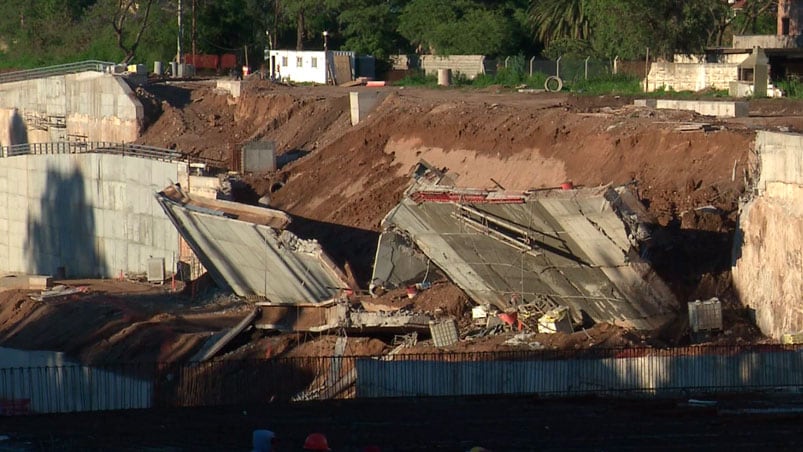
column 247, row 248
column 555, row 248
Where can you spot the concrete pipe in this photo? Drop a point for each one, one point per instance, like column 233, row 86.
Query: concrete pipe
column 553, row 84
column 444, row 77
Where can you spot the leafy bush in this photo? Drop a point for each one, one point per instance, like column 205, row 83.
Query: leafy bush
column 608, row 84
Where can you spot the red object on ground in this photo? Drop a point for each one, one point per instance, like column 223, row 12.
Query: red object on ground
column 511, row 319
column 567, row 185
column 375, row 83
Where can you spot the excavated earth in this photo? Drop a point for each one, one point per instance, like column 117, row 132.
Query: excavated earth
column 338, row 181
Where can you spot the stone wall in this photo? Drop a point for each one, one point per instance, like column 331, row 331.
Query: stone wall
column 87, row 106
column 468, row 65
column 691, row 76
column 768, row 253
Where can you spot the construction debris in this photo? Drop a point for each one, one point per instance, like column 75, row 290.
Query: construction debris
column 580, row 248
column 556, row 321
column 444, row 333
column 59, row 291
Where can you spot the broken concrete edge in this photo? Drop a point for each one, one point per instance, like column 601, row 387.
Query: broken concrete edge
column 339, row 316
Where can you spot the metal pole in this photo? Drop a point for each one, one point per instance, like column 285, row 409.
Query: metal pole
column 506, row 60
column 532, row 60
column 586, row 67
column 616, row 65
column 178, row 38
column 557, row 67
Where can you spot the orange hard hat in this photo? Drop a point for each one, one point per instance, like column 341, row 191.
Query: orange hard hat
column 316, row 441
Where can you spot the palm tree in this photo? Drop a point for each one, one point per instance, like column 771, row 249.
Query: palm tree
column 555, row 19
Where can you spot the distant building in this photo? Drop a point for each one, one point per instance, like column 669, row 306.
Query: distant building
column 319, row 66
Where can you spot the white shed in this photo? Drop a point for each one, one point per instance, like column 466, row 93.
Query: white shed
column 319, row 66
column 300, row 65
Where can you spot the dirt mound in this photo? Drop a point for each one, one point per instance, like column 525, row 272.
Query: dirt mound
column 110, row 323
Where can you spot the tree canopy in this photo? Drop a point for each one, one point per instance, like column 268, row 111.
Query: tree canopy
column 39, row 32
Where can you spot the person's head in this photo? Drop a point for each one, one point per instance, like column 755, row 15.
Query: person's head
column 263, row 441
column 316, row 441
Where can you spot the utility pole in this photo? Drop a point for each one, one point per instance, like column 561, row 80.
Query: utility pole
column 194, row 30
column 180, row 33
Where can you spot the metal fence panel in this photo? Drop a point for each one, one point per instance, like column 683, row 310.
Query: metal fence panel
column 68, row 388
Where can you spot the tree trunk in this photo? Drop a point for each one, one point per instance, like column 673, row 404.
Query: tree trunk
column 300, row 31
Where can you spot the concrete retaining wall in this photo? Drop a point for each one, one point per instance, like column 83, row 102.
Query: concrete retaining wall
column 88, row 106
column 691, row 76
column 93, row 214
column 768, row 253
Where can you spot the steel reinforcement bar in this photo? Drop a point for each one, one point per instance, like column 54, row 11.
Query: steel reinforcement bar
column 61, row 69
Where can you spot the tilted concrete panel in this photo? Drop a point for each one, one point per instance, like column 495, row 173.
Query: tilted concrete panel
column 573, row 248
column 247, row 249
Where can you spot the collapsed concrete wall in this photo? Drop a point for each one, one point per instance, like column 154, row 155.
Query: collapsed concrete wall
column 91, row 214
column 573, row 248
column 768, row 252
column 87, row 106
column 248, row 249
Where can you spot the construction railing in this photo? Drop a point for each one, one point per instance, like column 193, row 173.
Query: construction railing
column 79, row 147
column 61, row 69
column 610, row 372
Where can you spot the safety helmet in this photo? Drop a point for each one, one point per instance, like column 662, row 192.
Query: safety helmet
column 316, row 441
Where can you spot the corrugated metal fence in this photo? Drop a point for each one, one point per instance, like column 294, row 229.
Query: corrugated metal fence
column 544, row 372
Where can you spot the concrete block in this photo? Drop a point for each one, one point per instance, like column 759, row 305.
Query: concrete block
column 39, row 282
column 257, row 156
column 362, row 104
column 710, row 108
column 232, row 87
column 649, row 103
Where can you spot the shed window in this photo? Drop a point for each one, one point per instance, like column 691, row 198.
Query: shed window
column 284, row 61
column 299, row 62
column 314, row 62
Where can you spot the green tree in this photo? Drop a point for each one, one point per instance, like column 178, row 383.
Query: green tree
column 560, row 20
column 370, row 27
column 311, row 17
column 460, row 26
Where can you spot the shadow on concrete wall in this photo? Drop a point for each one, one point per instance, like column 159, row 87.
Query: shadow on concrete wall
column 61, row 242
column 17, row 130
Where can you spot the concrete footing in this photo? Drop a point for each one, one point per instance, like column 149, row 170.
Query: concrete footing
column 703, row 107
